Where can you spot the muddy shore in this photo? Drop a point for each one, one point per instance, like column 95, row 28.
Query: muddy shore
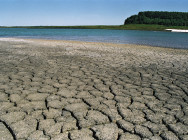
column 70, row 90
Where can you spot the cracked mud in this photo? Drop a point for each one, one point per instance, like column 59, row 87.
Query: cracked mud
column 63, row 90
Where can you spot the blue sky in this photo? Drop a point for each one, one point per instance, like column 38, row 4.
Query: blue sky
column 79, row 12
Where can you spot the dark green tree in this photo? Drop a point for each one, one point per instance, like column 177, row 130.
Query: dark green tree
column 159, row 17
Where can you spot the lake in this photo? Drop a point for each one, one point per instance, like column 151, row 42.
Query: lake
column 152, row 38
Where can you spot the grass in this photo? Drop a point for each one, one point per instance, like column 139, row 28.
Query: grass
column 148, row 27
column 151, row 27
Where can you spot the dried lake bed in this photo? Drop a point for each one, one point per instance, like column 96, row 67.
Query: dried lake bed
column 74, row 90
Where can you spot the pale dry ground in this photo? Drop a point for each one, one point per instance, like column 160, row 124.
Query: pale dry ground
column 68, row 90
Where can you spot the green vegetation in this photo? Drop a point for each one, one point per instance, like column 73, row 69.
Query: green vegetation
column 159, row 18
column 150, row 27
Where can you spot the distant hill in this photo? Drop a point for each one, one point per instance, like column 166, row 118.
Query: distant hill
column 160, row 18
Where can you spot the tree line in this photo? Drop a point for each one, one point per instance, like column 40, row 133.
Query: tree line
column 160, row 18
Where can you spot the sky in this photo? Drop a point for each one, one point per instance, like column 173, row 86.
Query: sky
column 79, row 12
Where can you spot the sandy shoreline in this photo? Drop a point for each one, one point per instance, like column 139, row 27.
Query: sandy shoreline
column 73, row 90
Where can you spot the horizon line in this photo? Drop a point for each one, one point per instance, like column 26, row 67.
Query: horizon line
column 57, row 25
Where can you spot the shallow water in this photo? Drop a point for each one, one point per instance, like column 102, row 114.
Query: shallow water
column 152, row 38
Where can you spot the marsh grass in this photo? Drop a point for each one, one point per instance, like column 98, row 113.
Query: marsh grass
column 149, row 27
